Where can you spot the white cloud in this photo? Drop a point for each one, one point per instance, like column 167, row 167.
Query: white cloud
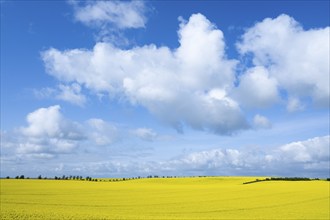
column 257, row 89
column 312, row 150
column 308, row 157
column 298, row 59
column 194, row 84
column 49, row 122
column 212, row 159
column 201, row 54
column 39, row 126
column 48, row 132
column 260, row 121
column 121, row 14
column 186, row 86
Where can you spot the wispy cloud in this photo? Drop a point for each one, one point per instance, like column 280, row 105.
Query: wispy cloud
column 111, row 18
column 68, row 93
column 260, row 121
column 71, row 93
column 101, row 132
column 146, row 134
column 121, row 14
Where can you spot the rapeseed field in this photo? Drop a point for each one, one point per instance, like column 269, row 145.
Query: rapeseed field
column 158, row 198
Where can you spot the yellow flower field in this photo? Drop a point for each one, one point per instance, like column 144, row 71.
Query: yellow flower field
column 158, row 198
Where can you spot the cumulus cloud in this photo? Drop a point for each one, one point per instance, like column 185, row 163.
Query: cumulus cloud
column 298, row 59
column 196, row 85
column 49, row 122
column 211, row 159
column 257, row 89
column 307, row 157
column 185, row 86
column 309, row 151
column 48, row 132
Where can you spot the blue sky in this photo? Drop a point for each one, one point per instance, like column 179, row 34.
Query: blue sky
column 107, row 88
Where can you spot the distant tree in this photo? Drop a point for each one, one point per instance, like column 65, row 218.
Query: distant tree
column 7, row 177
column 88, row 178
column 17, row 177
column 39, row 177
column 21, row 177
column 56, row 177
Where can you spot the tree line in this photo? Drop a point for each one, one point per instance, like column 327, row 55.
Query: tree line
column 88, row 178
column 284, row 179
column 64, row 177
